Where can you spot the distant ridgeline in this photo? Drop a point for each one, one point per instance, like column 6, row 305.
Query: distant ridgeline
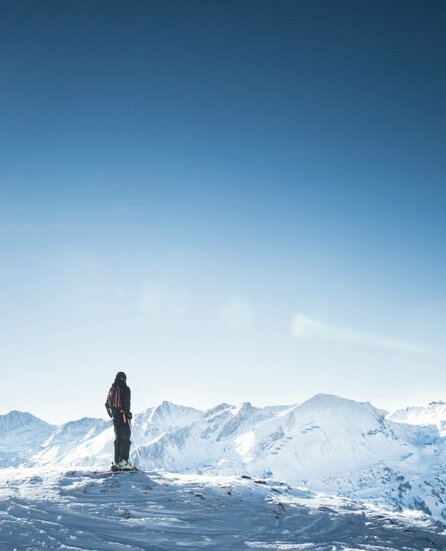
column 326, row 443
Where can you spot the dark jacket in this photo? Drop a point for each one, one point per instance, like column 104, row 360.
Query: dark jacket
column 118, row 400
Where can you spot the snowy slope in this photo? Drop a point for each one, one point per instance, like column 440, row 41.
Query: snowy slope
column 20, row 433
column 208, row 443
column 327, row 443
column 81, row 510
column 433, row 414
column 326, row 435
column 67, row 437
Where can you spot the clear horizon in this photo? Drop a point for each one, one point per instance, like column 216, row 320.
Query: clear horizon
column 237, row 404
column 229, row 202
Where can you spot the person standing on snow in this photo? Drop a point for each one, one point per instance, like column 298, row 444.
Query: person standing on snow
column 118, row 408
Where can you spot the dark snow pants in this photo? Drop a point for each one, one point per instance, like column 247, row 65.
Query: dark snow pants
column 122, row 438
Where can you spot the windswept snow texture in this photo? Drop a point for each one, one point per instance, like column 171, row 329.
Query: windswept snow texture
column 20, row 434
column 433, row 414
column 81, row 510
column 326, row 444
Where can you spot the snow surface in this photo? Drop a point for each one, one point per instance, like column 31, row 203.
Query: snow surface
column 433, row 414
column 351, row 452
column 20, row 433
column 103, row 511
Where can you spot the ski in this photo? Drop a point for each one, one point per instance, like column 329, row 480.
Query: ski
column 115, row 469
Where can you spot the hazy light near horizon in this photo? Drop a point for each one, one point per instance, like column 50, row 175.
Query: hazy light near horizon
column 303, row 326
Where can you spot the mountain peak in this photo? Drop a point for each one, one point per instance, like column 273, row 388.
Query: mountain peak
column 15, row 419
column 168, row 415
column 328, row 400
column 166, row 405
column 432, row 414
column 216, row 410
column 171, row 407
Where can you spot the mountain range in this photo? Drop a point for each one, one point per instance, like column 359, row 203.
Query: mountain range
column 327, row 443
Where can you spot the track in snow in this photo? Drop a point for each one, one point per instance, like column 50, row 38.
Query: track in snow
column 84, row 510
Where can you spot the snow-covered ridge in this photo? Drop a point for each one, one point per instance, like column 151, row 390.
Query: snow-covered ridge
column 20, row 422
column 20, row 434
column 326, row 443
column 433, row 414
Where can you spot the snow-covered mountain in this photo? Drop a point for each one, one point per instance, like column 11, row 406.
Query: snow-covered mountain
column 20, row 434
column 68, row 437
column 433, row 414
column 324, row 436
column 326, row 443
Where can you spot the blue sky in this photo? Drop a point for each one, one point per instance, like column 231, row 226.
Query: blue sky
column 180, row 180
